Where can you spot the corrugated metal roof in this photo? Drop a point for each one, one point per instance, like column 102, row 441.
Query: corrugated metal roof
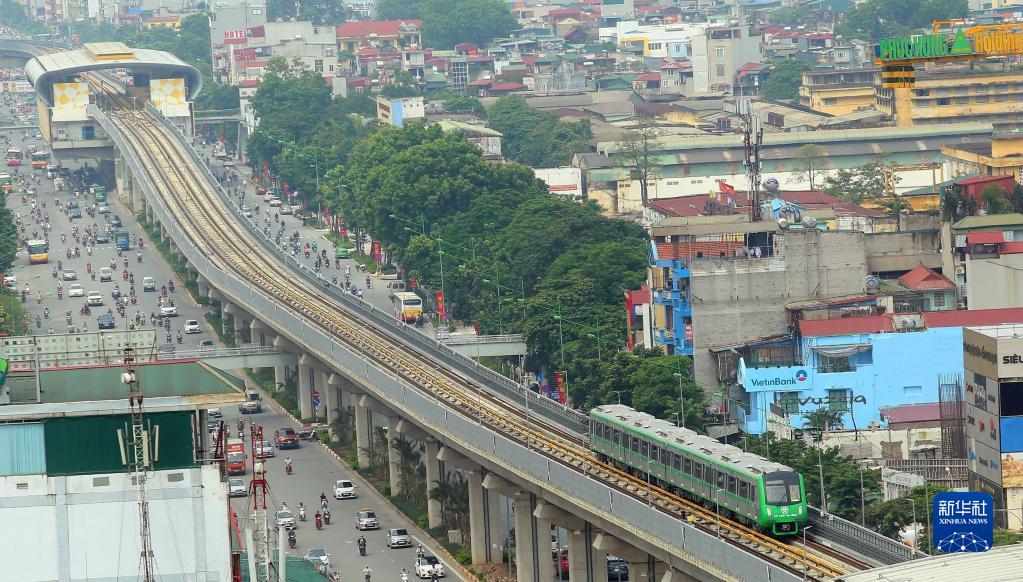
column 985, row 238
column 975, row 222
column 973, row 317
column 1002, row 564
column 846, row 325
column 93, row 383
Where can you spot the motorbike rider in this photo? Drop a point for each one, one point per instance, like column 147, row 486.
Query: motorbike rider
column 362, row 544
column 292, row 540
column 367, row 572
column 287, row 464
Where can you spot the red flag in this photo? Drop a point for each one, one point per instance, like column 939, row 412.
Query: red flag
column 376, row 251
column 725, row 188
column 559, row 382
column 440, row 304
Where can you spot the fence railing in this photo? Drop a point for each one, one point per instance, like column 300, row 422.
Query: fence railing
column 866, row 542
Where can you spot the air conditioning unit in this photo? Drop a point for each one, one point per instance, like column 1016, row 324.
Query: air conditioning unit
column 667, row 238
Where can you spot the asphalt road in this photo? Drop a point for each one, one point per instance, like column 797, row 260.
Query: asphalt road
column 315, row 472
column 40, row 277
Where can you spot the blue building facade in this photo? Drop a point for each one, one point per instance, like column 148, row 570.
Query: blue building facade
column 671, row 300
column 853, row 375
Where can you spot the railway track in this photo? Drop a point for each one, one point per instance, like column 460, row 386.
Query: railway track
column 229, row 246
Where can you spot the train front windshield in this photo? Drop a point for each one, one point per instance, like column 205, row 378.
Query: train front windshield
column 781, row 488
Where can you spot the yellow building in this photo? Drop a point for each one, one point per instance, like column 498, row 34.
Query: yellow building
column 1002, row 156
column 169, row 21
column 838, row 92
column 953, row 94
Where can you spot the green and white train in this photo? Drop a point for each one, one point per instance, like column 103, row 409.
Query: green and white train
column 748, row 487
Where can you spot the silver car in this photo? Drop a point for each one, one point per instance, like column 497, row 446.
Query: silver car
column 398, row 537
column 237, row 488
column 285, row 519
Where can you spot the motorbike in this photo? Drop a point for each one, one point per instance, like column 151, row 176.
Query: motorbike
column 326, row 516
column 362, row 547
column 301, row 513
column 292, row 541
column 170, row 286
column 287, row 469
column 319, row 521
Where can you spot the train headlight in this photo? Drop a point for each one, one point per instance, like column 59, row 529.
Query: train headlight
column 800, row 510
column 769, row 512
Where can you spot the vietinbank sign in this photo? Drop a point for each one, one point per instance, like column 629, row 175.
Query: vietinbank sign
column 796, row 379
column 981, row 41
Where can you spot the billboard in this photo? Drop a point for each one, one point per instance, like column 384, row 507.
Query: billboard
column 169, row 96
column 1012, row 434
column 963, row 522
column 70, row 101
column 1012, row 470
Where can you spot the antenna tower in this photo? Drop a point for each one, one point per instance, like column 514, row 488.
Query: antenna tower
column 753, row 138
column 259, row 533
column 139, row 460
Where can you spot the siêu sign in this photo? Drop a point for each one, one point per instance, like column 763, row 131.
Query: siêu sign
column 963, row 522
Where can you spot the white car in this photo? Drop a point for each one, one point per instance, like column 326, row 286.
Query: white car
column 285, row 519
column 318, row 556
column 265, row 449
column 105, row 275
column 168, row 310
column 192, row 326
column 427, row 566
column 75, row 290
column 94, row 299
column 237, row 487
column 148, row 284
column 275, row 202
column 344, row 489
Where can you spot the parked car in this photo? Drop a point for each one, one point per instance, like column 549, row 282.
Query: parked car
column 562, row 564
column 105, row 321
column 617, row 569
column 286, row 438
column 427, row 566
column 366, row 519
column 192, row 326
column 398, row 537
column 237, row 487
column 75, row 290
column 344, row 489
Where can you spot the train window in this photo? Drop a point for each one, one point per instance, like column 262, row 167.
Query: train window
column 653, row 453
column 617, row 437
column 635, row 445
column 698, row 471
column 644, row 448
column 687, row 465
column 607, row 432
column 744, row 489
column 676, row 462
column 731, row 485
column 720, row 479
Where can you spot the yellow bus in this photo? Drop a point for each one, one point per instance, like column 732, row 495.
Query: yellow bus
column 38, row 252
column 408, row 307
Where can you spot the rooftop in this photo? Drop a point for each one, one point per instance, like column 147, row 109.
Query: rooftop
column 924, row 412
column 1001, row 563
column 365, row 28
column 989, row 221
column 886, row 323
column 925, row 278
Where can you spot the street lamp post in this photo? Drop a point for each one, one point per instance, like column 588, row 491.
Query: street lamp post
column 676, row 415
column 619, row 394
column 804, row 552
column 863, row 510
column 820, row 469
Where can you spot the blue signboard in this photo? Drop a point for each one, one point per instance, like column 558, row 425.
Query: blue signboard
column 963, row 522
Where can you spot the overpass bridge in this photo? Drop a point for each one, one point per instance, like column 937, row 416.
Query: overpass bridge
column 511, row 442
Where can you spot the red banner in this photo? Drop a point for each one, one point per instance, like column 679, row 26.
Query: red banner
column 341, row 225
column 440, row 305
column 376, row 251
column 559, row 382
column 413, row 283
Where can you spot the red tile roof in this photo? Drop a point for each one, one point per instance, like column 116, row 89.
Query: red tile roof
column 639, row 296
column 507, row 86
column 466, row 46
column 481, row 83
column 646, row 77
column 924, row 278
column 691, row 205
column 925, row 412
column 980, row 180
column 973, row 317
column 248, row 84
column 365, row 28
column 846, row 325
column 985, row 238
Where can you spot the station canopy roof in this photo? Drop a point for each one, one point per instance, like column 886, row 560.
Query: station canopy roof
column 45, row 70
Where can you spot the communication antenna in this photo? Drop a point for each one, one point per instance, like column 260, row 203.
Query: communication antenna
column 140, row 459
column 753, row 138
column 258, row 533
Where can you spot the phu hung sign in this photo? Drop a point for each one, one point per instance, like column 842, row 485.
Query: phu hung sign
column 981, row 42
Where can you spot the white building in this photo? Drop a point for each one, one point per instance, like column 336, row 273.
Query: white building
column 563, row 182
column 719, row 52
column 652, row 40
column 398, row 111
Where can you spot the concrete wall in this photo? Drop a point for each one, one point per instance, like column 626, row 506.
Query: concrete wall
column 902, row 251
column 994, row 283
column 739, row 301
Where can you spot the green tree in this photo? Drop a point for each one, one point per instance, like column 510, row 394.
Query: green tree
column 877, row 19
column 784, row 81
column 616, row 266
column 640, row 148
column 955, row 205
column 537, row 138
column 656, row 389
column 891, row 517
column 874, row 179
column 403, row 85
column 462, row 104
column 811, row 164
column 316, row 11
column 995, row 201
column 449, row 22
column 399, row 9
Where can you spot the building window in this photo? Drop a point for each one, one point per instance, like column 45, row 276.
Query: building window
column 831, row 101
column 1002, row 97
column 962, row 100
column 912, row 390
column 838, row 400
column 654, row 46
column 938, row 299
column 719, row 52
column 318, row 65
column 788, row 401
column 827, row 364
column 720, row 70
column 942, row 101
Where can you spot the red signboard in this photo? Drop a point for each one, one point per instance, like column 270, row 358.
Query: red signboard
column 559, row 382
column 440, row 305
column 376, row 251
column 689, row 331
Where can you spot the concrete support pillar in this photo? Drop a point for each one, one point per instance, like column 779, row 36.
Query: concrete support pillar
column 433, row 476
column 494, row 530
column 639, row 561
column 330, row 396
column 477, row 518
column 526, row 566
column 305, row 388
column 362, row 431
column 280, row 376
column 393, row 458
column 240, row 326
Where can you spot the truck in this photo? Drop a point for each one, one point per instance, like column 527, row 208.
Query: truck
column 235, row 457
column 123, row 241
column 98, row 192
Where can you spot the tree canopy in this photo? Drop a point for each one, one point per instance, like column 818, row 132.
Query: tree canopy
column 449, row 22
column 874, row 179
column 537, row 138
column 877, row 19
column 316, row 11
column 784, row 81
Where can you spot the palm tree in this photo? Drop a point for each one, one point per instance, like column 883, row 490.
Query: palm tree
column 378, row 451
column 453, row 494
column 344, row 425
column 412, row 487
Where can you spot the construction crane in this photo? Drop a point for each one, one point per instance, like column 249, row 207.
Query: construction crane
column 140, row 461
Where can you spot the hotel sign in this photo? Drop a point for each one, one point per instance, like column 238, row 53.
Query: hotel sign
column 982, row 41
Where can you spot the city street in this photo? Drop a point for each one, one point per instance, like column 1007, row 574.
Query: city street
column 40, row 277
column 314, row 473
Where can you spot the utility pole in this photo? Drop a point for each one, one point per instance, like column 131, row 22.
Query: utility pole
column 753, row 138
column 140, row 461
column 257, row 533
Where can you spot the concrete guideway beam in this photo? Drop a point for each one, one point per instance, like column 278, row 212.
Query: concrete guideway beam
column 554, row 514
column 616, row 547
column 411, row 431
